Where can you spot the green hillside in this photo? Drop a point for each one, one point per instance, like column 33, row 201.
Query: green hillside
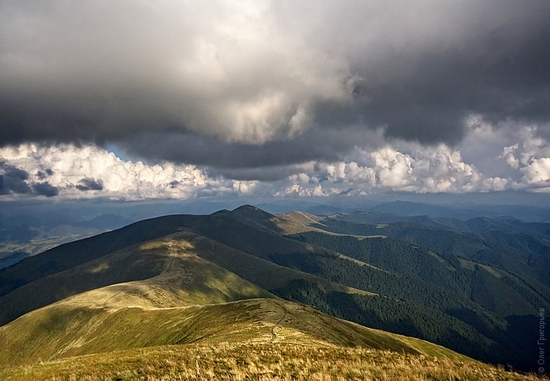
column 185, row 262
column 67, row 329
column 159, row 273
column 79, row 252
column 522, row 249
column 183, row 299
column 154, row 264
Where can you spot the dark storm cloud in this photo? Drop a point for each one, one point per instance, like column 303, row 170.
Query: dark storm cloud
column 262, row 174
column 16, row 181
column 42, row 175
column 45, row 189
column 274, row 85
column 13, row 180
column 500, row 74
column 421, row 76
column 322, row 144
column 89, row 184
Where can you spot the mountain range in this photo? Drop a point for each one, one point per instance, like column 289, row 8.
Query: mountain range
column 443, row 288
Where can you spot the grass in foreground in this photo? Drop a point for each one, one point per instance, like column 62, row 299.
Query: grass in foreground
column 259, row 362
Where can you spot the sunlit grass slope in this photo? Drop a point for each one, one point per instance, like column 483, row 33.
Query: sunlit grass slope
column 259, row 361
column 67, row 329
column 159, row 273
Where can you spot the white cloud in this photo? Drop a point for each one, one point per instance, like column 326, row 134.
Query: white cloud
column 68, row 171
column 300, row 190
column 538, row 170
column 393, row 169
column 509, row 156
column 72, row 169
column 413, row 169
column 530, row 158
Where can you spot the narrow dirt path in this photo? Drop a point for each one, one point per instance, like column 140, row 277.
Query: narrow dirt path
column 277, row 324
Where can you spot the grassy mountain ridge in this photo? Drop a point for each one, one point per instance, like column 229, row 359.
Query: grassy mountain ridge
column 187, row 300
column 248, row 253
column 65, row 330
column 513, row 301
column 161, row 264
column 72, row 254
column 154, row 260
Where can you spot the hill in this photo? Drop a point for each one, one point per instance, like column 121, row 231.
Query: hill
column 182, row 300
column 202, row 268
column 71, row 328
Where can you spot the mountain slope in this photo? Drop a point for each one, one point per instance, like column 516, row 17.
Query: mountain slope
column 64, row 329
column 379, row 282
column 205, row 265
column 256, row 267
column 76, row 253
column 185, row 299
column 520, row 248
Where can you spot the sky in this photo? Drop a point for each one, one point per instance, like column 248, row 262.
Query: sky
column 175, row 99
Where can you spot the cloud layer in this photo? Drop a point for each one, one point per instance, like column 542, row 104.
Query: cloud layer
column 89, row 171
column 273, row 97
column 69, row 171
column 91, row 70
column 258, row 72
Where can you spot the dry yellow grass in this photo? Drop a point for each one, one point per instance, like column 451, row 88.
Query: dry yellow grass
column 264, row 361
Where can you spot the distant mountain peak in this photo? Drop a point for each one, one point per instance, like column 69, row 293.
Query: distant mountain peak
column 250, row 208
column 253, row 213
column 219, row 212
